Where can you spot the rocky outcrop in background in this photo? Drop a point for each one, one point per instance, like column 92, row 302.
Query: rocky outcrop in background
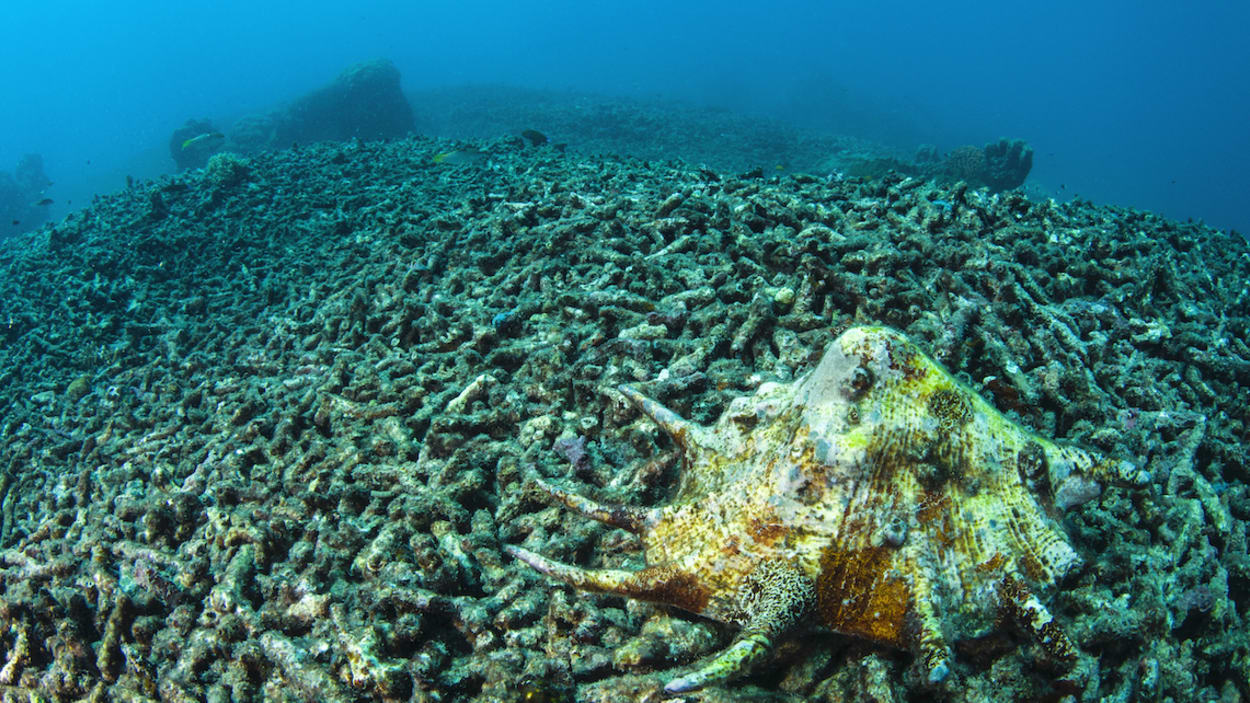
column 23, row 203
column 363, row 102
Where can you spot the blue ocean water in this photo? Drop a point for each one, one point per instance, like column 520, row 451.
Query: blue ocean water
column 1141, row 104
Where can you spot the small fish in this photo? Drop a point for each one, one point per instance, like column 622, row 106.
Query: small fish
column 44, row 203
column 206, row 139
column 461, row 157
column 534, row 137
column 17, row 222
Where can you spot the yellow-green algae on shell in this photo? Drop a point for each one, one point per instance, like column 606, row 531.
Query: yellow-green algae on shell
column 875, row 495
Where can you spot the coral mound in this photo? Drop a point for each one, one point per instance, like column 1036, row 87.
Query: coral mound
column 266, row 438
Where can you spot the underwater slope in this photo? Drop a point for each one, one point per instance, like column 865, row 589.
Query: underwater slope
column 267, row 425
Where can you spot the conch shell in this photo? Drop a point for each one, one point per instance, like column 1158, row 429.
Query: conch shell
column 876, row 495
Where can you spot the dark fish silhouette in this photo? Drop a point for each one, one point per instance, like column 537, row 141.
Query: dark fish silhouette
column 534, row 137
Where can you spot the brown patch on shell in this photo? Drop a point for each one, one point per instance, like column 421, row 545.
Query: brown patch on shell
column 994, row 564
column 933, row 504
column 766, row 529
column 668, row 585
column 1032, row 568
column 854, row 597
column 903, row 360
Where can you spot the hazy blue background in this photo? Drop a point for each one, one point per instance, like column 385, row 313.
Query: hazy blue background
column 1137, row 103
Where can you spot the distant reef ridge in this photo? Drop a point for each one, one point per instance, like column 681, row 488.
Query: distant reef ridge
column 365, row 102
column 665, row 130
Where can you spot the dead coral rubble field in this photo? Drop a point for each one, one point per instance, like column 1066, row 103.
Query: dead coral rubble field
column 266, row 428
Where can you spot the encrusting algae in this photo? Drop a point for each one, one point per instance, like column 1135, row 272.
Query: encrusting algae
column 876, row 495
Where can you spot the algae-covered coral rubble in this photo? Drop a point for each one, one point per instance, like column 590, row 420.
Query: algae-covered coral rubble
column 268, row 438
